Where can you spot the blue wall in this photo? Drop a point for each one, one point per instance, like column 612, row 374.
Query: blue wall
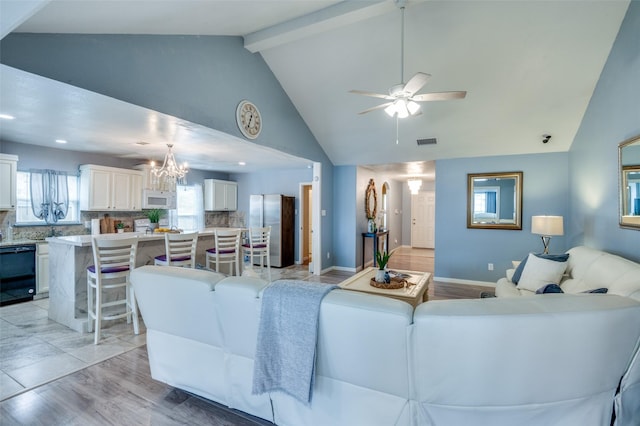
column 613, row 115
column 196, row 78
column 344, row 227
column 463, row 253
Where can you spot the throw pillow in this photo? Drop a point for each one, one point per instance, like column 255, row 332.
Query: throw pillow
column 539, row 272
column 555, row 257
column 549, row 288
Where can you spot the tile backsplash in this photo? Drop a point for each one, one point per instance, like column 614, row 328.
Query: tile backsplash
column 39, row 232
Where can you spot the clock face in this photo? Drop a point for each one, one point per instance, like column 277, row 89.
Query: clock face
column 249, row 120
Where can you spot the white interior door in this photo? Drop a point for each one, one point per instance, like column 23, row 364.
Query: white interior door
column 423, row 220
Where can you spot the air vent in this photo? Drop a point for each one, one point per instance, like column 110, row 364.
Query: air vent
column 428, row 141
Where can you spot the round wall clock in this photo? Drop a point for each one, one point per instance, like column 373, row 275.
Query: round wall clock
column 249, row 120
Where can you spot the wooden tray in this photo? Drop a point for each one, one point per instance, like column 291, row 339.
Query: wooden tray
column 394, row 284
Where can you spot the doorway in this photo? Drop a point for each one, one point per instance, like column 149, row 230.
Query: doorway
column 423, row 208
column 305, row 243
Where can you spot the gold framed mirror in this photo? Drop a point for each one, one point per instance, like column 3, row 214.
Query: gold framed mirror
column 371, row 200
column 494, row 200
column 629, row 183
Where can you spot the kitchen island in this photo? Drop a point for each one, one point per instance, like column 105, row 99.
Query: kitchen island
column 70, row 256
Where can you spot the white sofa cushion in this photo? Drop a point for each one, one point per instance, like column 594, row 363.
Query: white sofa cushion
column 539, row 272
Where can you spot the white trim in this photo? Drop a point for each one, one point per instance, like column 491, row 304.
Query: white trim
column 466, row 282
column 316, row 218
column 342, row 268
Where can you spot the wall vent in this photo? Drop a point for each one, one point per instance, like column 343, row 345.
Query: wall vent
column 428, row 141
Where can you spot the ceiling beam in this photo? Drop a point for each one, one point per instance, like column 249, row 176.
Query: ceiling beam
column 14, row 13
column 334, row 16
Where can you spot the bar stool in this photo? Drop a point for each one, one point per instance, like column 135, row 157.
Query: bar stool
column 258, row 245
column 180, row 250
column 227, row 250
column 114, row 259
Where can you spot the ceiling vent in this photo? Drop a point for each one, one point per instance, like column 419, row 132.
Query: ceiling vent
column 428, row 141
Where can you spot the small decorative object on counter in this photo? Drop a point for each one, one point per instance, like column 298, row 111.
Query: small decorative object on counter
column 120, row 227
column 154, row 217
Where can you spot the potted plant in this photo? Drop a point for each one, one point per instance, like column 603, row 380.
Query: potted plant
column 382, row 259
column 120, row 227
column 154, row 217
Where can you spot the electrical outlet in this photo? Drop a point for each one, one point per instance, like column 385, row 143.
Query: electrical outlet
column 328, row 255
column 490, row 266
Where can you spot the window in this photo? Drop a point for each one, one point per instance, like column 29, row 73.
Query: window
column 24, row 213
column 189, row 216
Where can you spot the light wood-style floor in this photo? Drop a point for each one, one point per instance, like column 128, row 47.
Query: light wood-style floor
column 120, row 390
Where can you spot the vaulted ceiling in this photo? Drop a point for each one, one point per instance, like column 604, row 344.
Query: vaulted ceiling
column 529, row 67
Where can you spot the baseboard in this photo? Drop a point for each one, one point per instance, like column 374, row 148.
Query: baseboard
column 466, row 282
column 340, row 268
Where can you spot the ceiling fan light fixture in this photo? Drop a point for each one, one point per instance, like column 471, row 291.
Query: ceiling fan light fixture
column 391, row 110
column 401, row 108
column 413, row 107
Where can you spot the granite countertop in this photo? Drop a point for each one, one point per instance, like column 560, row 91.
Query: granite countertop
column 85, row 240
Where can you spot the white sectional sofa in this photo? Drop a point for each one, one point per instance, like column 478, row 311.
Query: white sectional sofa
column 587, row 269
column 551, row 360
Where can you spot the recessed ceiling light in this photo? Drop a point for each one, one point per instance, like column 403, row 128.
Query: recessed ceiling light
column 142, row 143
column 242, row 163
column 60, row 141
column 7, row 116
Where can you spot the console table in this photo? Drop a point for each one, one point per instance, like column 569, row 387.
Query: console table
column 376, row 238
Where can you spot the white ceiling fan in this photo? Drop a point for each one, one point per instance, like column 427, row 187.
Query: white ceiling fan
column 402, row 97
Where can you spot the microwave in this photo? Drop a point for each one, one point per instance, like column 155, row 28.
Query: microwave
column 158, row 199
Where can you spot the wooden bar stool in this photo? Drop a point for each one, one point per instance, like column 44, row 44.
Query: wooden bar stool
column 180, row 250
column 258, row 246
column 114, row 259
column 226, row 251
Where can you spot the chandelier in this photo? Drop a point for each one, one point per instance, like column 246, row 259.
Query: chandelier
column 170, row 168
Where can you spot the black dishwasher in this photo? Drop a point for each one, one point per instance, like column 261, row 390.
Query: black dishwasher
column 17, row 273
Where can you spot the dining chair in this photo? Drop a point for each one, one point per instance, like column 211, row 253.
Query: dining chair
column 108, row 282
column 180, row 250
column 258, row 246
column 226, row 250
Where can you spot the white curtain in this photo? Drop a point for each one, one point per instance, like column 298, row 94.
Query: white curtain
column 49, row 194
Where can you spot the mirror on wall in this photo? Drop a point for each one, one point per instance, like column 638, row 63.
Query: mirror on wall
column 371, row 201
column 629, row 161
column 494, row 200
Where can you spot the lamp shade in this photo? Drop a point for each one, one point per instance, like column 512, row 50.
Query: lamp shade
column 547, row 225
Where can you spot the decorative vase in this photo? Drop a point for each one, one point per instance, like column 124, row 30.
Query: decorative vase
column 120, row 230
column 153, row 227
column 380, row 276
column 371, row 226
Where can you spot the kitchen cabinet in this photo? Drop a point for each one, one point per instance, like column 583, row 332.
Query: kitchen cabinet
column 42, row 268
column 8, row 175
column 220, row 195
column 109, row 188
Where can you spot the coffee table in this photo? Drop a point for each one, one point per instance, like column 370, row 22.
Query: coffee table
column 413, row 294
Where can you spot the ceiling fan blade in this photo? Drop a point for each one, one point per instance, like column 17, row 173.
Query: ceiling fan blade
column 416, row 83
column 439, row 96
column 373, row 95
column 384, row 105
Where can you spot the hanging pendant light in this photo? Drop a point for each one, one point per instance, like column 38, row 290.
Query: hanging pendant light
column 170, row 168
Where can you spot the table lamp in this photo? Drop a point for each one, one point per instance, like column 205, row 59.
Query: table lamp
column 546, row 227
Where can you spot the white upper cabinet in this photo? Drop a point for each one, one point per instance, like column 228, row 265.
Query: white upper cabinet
column 109, row 188
column 8, row 175
column 220, row 195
